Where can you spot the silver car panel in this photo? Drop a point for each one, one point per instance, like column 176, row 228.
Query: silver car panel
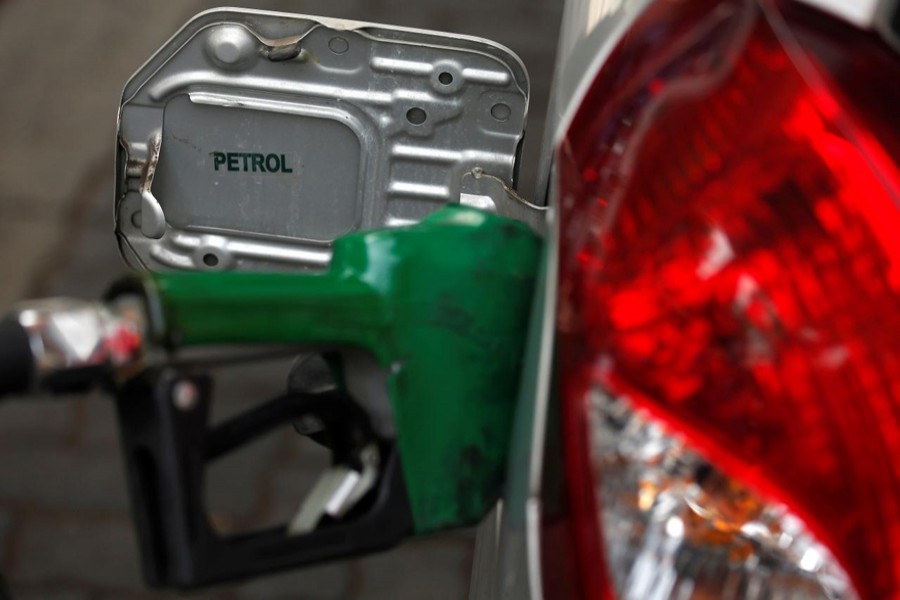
column 252, row 140
column 590, row 31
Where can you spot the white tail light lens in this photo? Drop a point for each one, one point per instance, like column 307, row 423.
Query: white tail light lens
column 676, row 527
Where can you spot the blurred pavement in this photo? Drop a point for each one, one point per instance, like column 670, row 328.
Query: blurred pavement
column 65, row 529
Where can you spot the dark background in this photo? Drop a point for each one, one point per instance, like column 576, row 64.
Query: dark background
column 65, row 529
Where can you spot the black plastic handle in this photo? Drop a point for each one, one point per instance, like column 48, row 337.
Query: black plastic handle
column 16, row 358
column 167, row 449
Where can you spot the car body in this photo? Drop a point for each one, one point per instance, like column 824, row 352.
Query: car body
column 524, row 542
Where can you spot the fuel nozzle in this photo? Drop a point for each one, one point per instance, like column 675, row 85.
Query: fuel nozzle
column 426, row 325
column 67, row 345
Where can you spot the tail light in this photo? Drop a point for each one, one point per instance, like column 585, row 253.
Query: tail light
column 729, row 309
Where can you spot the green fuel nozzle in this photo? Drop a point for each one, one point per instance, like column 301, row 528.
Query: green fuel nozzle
column 434, row 313
column 442, row 305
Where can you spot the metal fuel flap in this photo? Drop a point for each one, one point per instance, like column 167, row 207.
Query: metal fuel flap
column 251, row 140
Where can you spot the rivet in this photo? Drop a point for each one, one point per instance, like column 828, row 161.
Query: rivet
column 231, row 45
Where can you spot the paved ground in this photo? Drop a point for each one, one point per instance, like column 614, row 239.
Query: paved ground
column 64, row 525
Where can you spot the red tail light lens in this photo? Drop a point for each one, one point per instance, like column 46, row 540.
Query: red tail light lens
column 730, row 269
